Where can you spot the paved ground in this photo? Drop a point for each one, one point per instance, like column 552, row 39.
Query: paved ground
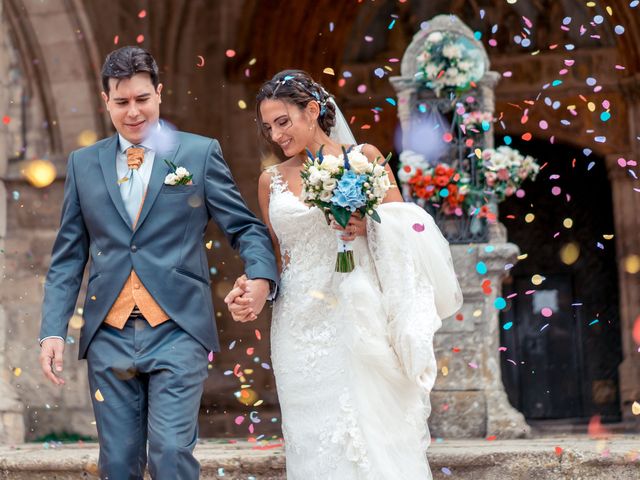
column 575, row 458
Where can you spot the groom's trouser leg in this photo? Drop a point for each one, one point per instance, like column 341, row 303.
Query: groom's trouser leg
column 119, row 398
column 177, row 366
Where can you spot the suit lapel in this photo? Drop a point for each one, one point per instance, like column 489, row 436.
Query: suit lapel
column 107, row 157
column 158, row 173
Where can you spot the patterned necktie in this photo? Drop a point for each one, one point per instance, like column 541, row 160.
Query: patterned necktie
column 133, row 188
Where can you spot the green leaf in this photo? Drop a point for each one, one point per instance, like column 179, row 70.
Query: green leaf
column 374, row 216
column 342, row 215
column 386, row 160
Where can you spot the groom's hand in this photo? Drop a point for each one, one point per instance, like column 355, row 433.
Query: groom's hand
column 247, row 298
column 51, row 352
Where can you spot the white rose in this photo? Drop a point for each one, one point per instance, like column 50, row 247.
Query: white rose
column 181, row 172
column 329, row 184
column 434, row 37
column 326, row 196
column 452, row 51
column 359, row 162
column 324, row 175
column 377, row 170
column 314, row 177
column 171, row 179
column 331, row 163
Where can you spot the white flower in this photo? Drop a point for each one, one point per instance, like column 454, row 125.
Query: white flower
column 325, row 196
column 329, row 184
column 452, row 51
column 465, row 65
column 324, row 175
column 171, row 179
column 435, row 37
column 331, row 163
column 358, row 161
column 377, row 170
column 182, row 172
column 432, row 71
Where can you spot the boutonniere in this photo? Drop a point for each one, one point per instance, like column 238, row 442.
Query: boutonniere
column 178, row 175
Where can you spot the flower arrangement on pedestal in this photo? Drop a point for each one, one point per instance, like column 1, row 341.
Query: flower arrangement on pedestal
column 503, row 170
column 449, row 62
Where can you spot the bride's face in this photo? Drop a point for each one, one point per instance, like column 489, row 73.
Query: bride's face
column 289, row 126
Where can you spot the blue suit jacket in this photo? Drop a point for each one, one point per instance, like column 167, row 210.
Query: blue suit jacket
column 167, row 247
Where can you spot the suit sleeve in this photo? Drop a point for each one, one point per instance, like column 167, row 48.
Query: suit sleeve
column 68, row 259
column 244, row 231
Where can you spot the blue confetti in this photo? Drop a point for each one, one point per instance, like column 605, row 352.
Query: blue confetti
column 555, row 83
column 444, row 193
column 634, row 4
column 500, row 303
column 593, row 322
column 393, row 22
column 391, row 101
column 600, row 139
column 481, row 268
column 619, row 29
column 378, row 72
column 446, row 471
column 586, row 152
column 590, row 166
column 604, row 116
column 507, row 140
column 477, row 35
column 507, row 325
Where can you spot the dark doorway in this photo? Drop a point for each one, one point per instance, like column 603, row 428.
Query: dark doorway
column 562, row 364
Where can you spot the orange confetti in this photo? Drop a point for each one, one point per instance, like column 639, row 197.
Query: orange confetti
column 447, row 137
column 236, row 370
column 527, row 136
column 140, row 38
column 342, row 82
column 491, row 438
column 636, row 330
column 455, row 350
column 558, row 451
column 365, row 127
column 230, row 53
column 258, row 335
column 6, row 119
column 250, row 351
column 116, row 39
column 595, row 428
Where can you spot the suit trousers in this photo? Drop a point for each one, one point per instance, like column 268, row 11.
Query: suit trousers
column 146, row 386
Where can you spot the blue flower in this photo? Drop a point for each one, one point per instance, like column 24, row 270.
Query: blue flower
column 348, row 193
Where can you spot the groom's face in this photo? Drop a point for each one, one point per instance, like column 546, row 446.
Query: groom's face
column 134, row 105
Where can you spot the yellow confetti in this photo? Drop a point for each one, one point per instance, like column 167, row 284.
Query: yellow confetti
column 253, row 61
column 122, row 180
column 607, row 236
column 445, row 371
column 567, row 223
column 329, row 71
column 17, row 371
column 522, row 256
column 93, row 297
column 537, row 279
column 98, row 396
column 632, row 264
column 609, row 10
column 209, row 244
column 242, row 104
column 635, row 408
column 258, row 403
column 591, row 106
column 76, row 322
column 477, row 313
column 478, row 152
column 529, row 217
column 570, row 253
column 87, row 137
column 248, row 371
column 591, row 4
column 39, row 173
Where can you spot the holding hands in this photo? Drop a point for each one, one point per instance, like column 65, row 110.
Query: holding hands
column 247, row 298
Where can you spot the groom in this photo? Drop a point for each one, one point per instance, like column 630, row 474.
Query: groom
column 148, row 316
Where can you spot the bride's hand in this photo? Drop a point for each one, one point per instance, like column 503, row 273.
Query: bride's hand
column 357, row 227
column 238, row 303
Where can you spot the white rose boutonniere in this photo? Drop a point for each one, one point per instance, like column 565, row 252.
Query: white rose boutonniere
column 178, row 175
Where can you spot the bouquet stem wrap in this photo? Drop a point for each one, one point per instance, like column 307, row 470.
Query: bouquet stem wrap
column 345, row 262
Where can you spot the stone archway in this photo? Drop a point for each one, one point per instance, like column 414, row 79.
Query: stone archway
column 55, row 65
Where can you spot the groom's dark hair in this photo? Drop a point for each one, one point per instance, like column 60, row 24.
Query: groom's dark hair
column 125, row 62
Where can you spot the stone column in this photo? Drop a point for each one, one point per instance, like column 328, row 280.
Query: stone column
column 626, row 204
column 11, row 409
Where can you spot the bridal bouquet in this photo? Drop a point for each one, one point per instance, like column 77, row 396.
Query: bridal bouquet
column 341, row 186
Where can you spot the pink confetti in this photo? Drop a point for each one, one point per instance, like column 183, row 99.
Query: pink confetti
column 230, row 53
column 546, row 312
column 418, row 227
column 239, row 419
column 142, row 14
column 362, row 88
column 211, row 357
column 140, row 38
column 473, row 365
column 507, row 74
column 502, row 349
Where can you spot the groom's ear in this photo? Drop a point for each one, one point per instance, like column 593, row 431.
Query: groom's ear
column 158, row 90
column 105, row 97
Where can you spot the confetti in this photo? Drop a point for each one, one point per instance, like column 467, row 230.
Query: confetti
column 230, row 53
column 418, row 227
column 98, row 396
column 558, row 451
column 500, row 303
column 142, row 14
column 635, row 408
column 328, row 71
column 446, row 471
column 140, row 38
column 507, row 325
column 481, row 268
column 200, row 61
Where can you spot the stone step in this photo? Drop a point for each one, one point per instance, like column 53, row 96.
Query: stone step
column 617, row 458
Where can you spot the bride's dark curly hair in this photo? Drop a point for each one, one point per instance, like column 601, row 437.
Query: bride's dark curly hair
column 298, row 88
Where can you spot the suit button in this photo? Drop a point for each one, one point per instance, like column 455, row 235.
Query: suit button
column 134, row 248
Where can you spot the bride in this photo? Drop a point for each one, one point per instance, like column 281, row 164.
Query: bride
column 352, row 352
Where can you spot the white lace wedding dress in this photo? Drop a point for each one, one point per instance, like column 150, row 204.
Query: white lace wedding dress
column 353, row 366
